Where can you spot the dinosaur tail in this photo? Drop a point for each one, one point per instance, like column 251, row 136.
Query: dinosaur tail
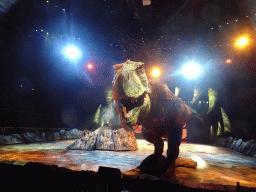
column 196, row 115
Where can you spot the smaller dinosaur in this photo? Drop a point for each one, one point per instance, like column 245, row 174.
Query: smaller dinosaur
column 151, row 104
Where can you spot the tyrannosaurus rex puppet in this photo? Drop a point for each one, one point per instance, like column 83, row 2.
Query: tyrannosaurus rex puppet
column 151, row 104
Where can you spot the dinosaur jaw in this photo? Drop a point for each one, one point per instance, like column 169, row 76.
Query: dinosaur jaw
column 130, row 109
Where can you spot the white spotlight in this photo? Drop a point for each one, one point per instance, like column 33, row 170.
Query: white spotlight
column 72, row 52
column 191, row 70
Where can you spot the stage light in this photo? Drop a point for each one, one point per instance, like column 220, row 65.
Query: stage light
column 228, row 61
column 156, row 72
column 72, row 52
column 191, row 70
column 242, row 42
column 90, row 66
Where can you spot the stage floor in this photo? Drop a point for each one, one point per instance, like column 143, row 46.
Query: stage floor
column 215, row 164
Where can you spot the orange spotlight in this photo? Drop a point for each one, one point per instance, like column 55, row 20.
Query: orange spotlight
column 156, row 72
column 228, row 61
column 242, row 42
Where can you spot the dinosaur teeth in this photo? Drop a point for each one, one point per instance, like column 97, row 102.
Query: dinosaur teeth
column 124, row 110
column 134, row 100
column 126, row 114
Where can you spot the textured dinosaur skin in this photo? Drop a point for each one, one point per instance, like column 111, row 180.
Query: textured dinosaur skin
column 150, row 104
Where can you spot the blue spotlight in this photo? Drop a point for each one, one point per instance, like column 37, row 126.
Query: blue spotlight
column 191, row 70
column 72, row 52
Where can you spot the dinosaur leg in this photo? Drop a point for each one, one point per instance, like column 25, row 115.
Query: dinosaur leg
column 154, row 139
column 153, row 164
column 174, row 140
column 159, row 146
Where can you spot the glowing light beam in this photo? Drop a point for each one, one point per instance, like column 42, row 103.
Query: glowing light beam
column 89, row 66
column 228, row 61
column 242, row 42
column 156, row 72
column 191, row 70
column 72, row 52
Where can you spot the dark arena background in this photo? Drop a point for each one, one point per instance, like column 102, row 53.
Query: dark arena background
column 59, row 130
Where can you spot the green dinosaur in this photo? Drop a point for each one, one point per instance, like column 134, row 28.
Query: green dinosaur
column 151, row 104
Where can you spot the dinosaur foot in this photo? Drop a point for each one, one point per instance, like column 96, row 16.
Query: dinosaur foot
column 153, row 165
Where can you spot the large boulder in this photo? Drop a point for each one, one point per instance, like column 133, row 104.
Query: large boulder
column 7, row 139
column 49, row 136
column 229, row 142
column 2, row 140
column 17, row 138
column 237, row 144
column 57, row 136
column 65, row 134
column 85, row 143
column 30, row 137
column 245, row 146
column 221, row 142
column 105, row 138
column 252, row 150
column 125, row 140
column 76, row 134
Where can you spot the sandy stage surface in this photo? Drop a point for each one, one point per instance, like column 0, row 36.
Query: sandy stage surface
column 214, row 164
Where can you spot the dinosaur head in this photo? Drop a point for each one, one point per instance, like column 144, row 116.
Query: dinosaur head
column 130, row 92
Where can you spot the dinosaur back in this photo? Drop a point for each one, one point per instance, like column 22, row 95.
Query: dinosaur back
column 164, row 103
